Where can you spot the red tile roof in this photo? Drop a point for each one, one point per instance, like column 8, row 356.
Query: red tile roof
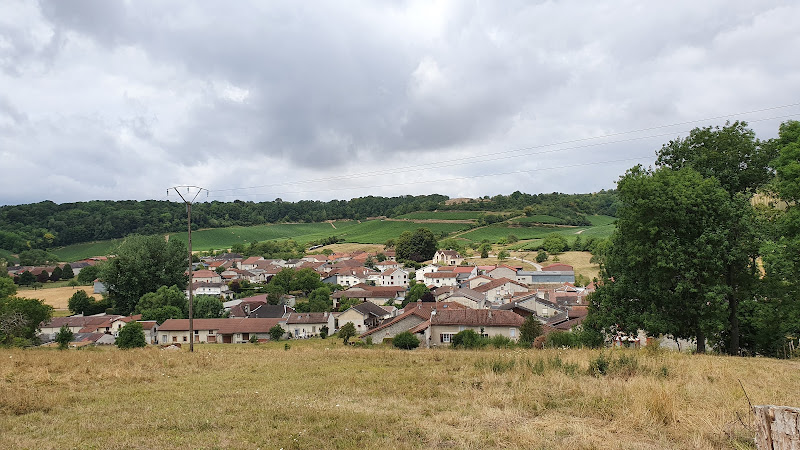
column 477, row 317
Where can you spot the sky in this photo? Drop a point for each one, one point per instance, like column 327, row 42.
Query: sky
column 121, row 100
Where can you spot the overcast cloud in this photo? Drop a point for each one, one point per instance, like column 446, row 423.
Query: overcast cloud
column 330, row 99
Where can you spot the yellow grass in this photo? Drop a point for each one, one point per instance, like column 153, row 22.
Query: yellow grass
column 579, row 261
column 348, row 247
column 56, row 297
column 320, row 394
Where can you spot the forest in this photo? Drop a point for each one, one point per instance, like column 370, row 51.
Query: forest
column 46, row 224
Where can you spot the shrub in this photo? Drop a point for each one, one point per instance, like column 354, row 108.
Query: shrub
column 368, row 340
column 599, row 366
column 625, row 365
column 529, row 331
column 468, row 339
column 131, row 336
column 347, row 331
column 254, row 339
column 323, row 332
column 405, row 341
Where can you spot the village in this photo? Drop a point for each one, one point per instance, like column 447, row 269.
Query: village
column 491, row 300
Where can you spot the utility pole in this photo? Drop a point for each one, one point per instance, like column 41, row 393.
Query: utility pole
column 196, row 190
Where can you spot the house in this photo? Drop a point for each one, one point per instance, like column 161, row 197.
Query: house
column 558, row 267
column 213, row 289
column 257, row 307
column 443, row 325
column 413, row 315
column 393, row 277
column 532, row 304
column 465, row 296
column 474, row 282
column 419, row 275
column 100, row 323
column 503, row 272
column 447, row 258
column 439, row 279
column 206, row 276
column 305, row 325
column 379, row 295
column 364, row 316
column 500, row 290
column 251, row 263
column 212, row 331
column 383, row 266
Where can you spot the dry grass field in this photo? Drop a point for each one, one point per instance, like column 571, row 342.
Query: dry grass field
column 57, row 297
column 321, row 394
column 579, row 261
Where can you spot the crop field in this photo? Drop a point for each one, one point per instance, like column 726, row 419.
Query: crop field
column 321, row 394
column 57, row 297
column 220, row 238
column 599, row 220
column 442, row 215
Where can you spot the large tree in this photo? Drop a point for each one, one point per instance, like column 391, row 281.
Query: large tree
column 208, row 307
column 417, row 246
column 164, row 296
column 741, row 164
column 143, row 264
column 665, row 271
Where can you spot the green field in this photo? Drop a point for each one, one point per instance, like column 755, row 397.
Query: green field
column 219, row 238
column 77, row 252
column 494, row 233
column 442, row 215
column 599, row 220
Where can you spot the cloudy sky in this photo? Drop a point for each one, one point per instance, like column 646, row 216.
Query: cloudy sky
column 340, row 99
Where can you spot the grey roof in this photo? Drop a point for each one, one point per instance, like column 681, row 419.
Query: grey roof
column 371, row 309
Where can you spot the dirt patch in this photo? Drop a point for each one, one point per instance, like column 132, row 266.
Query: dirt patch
column 56, row 297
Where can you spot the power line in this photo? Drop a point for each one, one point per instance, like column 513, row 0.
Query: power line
column 483, row 158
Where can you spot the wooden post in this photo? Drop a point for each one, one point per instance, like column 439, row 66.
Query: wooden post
column 777, row 427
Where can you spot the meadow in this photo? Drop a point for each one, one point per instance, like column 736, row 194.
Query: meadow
column 494, row 233
column 321, row 394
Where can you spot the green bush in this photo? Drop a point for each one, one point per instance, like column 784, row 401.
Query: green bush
column 468, row 339
column 561, row 339
column 500, row 341
column 599, row 366
column 405, row 341
column 64, row 337
column 276, row 332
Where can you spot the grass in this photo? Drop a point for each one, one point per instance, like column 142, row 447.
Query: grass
column 578, row 260
column 378, row 232
column 496, row 232
column 442, row 215
column 320, row 394
column 539, row 218
column 57, row 297
column 77, row 252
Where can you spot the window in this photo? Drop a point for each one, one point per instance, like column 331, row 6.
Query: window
column 445, row 337
column 210, row 331
column 196, row 331
column 512, row 332
column 174, row 338
column 164, row 338
column 185, row 339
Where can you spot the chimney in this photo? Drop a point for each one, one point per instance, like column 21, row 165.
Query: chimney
column 490, row 314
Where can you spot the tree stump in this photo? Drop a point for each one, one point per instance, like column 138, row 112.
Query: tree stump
column 777, row 427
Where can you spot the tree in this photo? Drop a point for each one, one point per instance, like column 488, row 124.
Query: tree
column 347, row 331
column 36, row 257
column 405, row 341
column 529, row 331
column 164, row 296
column 577, row 244
column 323, row 332
column 503, row 255
column 67, row 273
column 318, row 301
column 555, row 243
column 415, row 292
column 208, row 307
column 80, row 302
column 276, row 333
column 305, row 280
column 131, row 336
column 418, row 246
column 468, row 339
column 20, row 318
column 7, row 287
column 88, row 274
column 64, row 337
column 282, row 281
column 56, row 275
column 43, row 277
column 485, row 248
column 163, row 313
column 143, row 264
column 674, row 230
column 26, row 278
column 734, row 157
column 346, row 303
column 541, row 256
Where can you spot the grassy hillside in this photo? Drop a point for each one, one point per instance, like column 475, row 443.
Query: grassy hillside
column 442, row 215
column 367, row 232
column 320, row 394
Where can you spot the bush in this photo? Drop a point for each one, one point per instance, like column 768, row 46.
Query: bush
column 347, row 331
column 599, row 366
column 541, row 256
column 560, row 339
column 405, row 341
column 500, row 341
column 323, row 332
column 131, row 336
column 254, row 339
column 529, row 331
column 468, row 339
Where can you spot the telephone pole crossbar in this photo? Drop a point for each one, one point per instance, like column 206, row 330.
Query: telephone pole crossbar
column 191, row 195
